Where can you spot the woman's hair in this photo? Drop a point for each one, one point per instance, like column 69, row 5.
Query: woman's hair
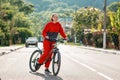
column 52, row 16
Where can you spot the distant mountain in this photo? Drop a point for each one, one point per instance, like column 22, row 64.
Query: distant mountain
column 43, row 5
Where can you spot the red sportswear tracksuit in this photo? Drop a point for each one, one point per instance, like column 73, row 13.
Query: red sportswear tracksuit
column 51, row 30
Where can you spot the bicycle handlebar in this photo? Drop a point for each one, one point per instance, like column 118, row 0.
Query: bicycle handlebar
column 55, row 40
column 59, row 40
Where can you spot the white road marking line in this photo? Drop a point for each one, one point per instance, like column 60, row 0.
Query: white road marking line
column 104, row 76
column 88, row 67
column 99, row 73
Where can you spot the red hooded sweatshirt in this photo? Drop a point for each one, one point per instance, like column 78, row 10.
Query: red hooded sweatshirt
column 52, row 29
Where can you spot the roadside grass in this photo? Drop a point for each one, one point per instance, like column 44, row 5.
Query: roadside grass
column 15, row 45
column 73, row 44
column 20, row 44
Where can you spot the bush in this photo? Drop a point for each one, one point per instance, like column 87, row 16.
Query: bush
column 4, row 40
column 24, row 33
column 115, row 40
column 98, row 40
column 89, row 38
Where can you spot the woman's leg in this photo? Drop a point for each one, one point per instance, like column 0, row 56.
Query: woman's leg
column 47, row 48
column 47, row 64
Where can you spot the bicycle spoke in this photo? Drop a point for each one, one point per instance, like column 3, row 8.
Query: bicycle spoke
column 56, row 63
column 33, row 59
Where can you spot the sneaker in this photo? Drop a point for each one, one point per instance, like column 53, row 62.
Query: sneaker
column 37, row 66
column 47, row 70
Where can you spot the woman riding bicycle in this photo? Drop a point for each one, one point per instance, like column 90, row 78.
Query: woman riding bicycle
column 50, row 33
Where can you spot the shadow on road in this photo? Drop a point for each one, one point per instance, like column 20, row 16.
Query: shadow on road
column 47, row 76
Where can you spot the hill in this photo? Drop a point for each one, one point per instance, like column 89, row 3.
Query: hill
column 43, row 5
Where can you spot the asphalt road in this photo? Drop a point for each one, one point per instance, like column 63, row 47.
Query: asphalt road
column 77, row 64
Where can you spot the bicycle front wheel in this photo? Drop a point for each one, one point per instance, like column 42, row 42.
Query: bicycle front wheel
column 56, row 63
column 33, row 59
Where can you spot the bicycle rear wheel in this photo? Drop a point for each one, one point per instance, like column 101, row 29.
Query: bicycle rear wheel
column 33, row 59
column 56, row 63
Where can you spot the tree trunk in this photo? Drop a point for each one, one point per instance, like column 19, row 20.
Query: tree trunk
column 10, row 40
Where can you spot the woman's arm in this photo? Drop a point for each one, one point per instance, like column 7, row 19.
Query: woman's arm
column 62, row 33
column 45, row 30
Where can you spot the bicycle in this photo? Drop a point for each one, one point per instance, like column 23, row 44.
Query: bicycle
column 56, row 59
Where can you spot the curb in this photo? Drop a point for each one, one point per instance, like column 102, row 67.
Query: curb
column 101, row 50
column 9, row 51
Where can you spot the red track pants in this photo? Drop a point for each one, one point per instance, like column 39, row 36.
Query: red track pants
column 47, row 47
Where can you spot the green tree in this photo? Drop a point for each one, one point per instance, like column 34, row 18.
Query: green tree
column 12, row 16
column 114, row 6
column 115, row 23
column 21, row 20
column 85, row 18
column 27, row 8
column 23, row 33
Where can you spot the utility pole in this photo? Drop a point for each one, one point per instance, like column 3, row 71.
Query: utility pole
column 104, row 32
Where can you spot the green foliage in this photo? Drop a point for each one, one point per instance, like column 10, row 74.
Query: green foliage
column 23, row 34
column 115, row 21
column 85, row 18
column 27, row 8
column 114, row 6
column 117, row 17
column 8, row 15
column 1, row 33
column 115, row 40
column 13, row 14
column 89, row 38
column 98, row 40
column 18, row 3
column 44, row 5
column 4, row 38
column 21, row 20
column 38, row 21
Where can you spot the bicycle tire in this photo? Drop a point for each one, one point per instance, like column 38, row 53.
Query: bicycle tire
column 38, row 54
column 54, row 63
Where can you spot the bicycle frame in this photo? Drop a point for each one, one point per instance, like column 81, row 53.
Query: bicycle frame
column 53, row 52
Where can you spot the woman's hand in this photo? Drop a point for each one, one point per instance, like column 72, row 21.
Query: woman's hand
column 46, row 37
column 66, row 39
